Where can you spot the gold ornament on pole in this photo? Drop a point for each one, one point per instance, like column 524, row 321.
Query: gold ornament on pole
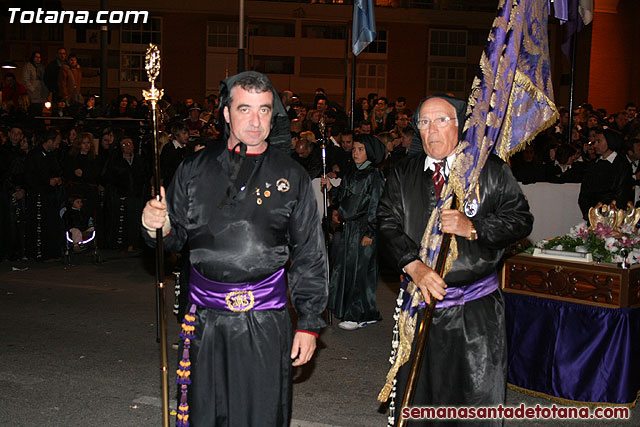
column 153, row 95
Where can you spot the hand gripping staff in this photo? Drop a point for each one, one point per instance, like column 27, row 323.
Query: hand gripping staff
column 153, row 95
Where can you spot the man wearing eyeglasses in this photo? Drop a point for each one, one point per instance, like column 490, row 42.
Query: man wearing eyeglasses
column 465, row 358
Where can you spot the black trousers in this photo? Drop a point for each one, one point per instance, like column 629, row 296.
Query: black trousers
column 241, row 369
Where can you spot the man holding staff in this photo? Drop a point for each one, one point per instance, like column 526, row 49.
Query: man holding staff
column 246, row 209
column 465, row 359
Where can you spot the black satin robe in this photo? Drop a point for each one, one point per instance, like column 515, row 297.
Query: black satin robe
column 241, row 366
column 352, row 290
column 465, row 360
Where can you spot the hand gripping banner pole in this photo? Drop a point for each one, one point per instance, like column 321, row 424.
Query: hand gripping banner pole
column 153, row 95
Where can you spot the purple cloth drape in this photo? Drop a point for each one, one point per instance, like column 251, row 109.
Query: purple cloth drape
column 573, row 351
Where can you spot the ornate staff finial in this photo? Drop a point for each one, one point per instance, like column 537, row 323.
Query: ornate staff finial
column 152, row 65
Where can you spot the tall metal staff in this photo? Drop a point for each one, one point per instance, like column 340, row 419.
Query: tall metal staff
column 323, row 146
column 153, row 95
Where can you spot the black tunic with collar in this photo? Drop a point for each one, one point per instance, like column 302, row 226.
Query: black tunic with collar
column 241, row 365
column 466, row 356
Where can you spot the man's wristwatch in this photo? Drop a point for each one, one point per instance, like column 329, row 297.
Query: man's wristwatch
column 474, row 234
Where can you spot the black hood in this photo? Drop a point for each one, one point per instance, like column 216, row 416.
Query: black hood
column 373, row 146
column 458, row 104
column 280, row 135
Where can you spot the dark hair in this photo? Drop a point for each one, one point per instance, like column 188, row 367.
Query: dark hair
column 33, row 55
column 49, row 135
column 630, row 104
column 10, row 75
column 401, row 99
column 347, row 131
column 73, row 55
column 252, row 82
column 295, row 135
column 409, row 131
column 178, row 127
column 564, row 152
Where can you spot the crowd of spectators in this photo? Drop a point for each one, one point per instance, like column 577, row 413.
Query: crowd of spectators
column 97, row 154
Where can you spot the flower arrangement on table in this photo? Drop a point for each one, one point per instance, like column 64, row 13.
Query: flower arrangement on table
column 611, row 237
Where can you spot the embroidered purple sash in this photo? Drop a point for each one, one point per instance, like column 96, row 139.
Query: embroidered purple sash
column 267, row 294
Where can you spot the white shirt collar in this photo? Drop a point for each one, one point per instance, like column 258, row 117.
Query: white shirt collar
column 429, row 163
column 611, row 157
column 176, row 144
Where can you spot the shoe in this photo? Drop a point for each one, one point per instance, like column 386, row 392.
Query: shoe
column 348, row 325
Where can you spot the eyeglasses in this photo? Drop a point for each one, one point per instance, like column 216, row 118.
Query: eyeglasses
column 440, row 122
column 126, row 144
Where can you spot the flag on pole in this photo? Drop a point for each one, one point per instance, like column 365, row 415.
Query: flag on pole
column 511, row 100
column 364, row 25
column 578, row 14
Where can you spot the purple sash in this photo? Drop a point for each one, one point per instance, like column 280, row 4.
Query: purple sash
column 267, row 294
column 463, row 294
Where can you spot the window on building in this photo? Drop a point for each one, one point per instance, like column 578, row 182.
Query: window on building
column 89, row 33
column 222, row 34
column 272, row 29
column 324, row 31
column 140, row 33
column 478, row 37
column 379, row 45
column 272, row 64
column 132, row 67
column 421, row 4
column 447, row 78
column 39, row 32
column 451, row 43
column 321, row 67
column 371, row 75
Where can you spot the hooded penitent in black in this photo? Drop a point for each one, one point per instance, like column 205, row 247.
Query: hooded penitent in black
column 352, row 289
column 458, row 104
column 245, row 231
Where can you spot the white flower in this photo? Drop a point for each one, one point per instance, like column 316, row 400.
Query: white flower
column 558, row 248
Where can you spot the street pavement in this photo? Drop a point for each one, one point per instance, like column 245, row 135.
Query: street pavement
column 78, row 348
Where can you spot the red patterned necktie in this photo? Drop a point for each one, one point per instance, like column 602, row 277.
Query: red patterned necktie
column 438, row 177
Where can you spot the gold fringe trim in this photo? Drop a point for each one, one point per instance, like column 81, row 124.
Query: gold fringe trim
column 406, row 329
column 532, row 90
column 572, row 402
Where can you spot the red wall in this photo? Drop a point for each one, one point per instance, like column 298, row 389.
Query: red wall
column 614, row 72
column 184, row 48
column 407, row 62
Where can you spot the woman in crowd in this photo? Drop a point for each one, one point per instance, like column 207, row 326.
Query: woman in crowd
column 81, row 170
column 32, row 78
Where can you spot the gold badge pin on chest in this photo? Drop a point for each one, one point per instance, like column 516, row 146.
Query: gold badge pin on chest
column 283, row 185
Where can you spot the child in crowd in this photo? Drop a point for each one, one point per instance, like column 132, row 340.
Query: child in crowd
column 77, row 223
column 352, row 290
